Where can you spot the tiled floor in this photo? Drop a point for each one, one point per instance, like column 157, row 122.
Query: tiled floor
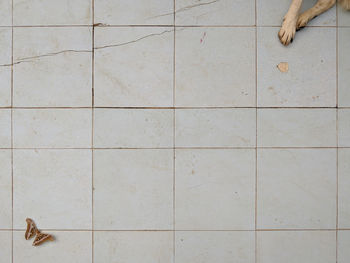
column 134, row 133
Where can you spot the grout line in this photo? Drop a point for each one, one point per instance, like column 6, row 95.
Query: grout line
column 165, row 25
column 185, row 148
column 178, row 108
column 337, row 135
column 308, row 26
column 337, row 193
column 256, row 137
column 48, row 26
column 183, row 230
column 12, row 196
column 92, row 127
column 295, row 229
column 174, row 132
column 173, row 108
column 337, row 62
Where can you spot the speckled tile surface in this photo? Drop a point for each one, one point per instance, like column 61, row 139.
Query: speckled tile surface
column 163, row 131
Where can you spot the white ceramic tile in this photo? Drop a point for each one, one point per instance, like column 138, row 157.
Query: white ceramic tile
column 215, row 127
column 311, row 79
column 133, row 189
column 5, row 42
column 344, row 185
column 67, row 247
column 5, row 86
column 214, row 88
column 215, row 12
column 5, row 62
column 297, row 127
column 344, row 67
column 296, row 247
column 296, row 189
column 120, row 53
column 134, row 12
column 133, row 128
column 208, row 247
column 55, row 68
column 343, row 17
column 215, row 189
column 5, row 13
column 344, row 127
column 52, row 128
column 53, row 187
column 132, row 247
column 52, row 12
column 5, row 190
column 5, row 128
column 271, row 13
column 213, row 68
column 343, row 246
column 5, row 244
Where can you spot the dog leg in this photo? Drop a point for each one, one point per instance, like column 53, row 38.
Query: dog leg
column 345, row 4
column 320, row 7
column 287, row 31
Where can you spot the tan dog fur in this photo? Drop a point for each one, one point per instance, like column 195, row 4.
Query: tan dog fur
column 294, row 21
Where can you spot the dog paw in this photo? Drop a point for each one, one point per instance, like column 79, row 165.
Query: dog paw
column 287, row 31
column 303, row 19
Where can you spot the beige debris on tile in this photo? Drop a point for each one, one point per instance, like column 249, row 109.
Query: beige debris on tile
column 283, row 67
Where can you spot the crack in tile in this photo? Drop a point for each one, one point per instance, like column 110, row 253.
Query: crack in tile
column 54, row 54
column 133, row 41
column 31, row 59
column 183, row 9
column 15, row 63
